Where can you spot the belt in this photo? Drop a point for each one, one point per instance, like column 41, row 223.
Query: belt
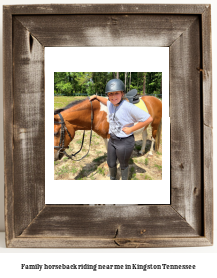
column 122, row 137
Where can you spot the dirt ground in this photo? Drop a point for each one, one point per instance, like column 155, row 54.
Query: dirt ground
column 94, row 165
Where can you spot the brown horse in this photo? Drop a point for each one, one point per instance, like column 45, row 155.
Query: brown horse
column 77, row 116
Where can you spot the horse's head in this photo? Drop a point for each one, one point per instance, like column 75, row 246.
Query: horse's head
column 63, row 134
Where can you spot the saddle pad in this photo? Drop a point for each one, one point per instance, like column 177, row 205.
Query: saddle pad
column 142, row 105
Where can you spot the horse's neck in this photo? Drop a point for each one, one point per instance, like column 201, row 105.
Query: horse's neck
column 79, row 115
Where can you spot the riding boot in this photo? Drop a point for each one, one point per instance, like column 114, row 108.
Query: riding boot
column 124, row 173
column 113, row 173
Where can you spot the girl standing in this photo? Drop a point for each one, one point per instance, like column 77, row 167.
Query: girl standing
column 122, row 116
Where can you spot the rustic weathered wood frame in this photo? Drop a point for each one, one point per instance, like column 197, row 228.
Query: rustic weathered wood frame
column 186, row 30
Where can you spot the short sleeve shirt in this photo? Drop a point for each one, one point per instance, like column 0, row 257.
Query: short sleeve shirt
column 124, row 115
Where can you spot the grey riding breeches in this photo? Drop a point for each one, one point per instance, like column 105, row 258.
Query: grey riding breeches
column 121, row 149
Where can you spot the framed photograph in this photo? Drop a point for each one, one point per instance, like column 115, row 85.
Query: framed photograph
column 90, row 38
column 91, row 174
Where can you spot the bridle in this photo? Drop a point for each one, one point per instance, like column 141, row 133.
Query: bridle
column 61, row 146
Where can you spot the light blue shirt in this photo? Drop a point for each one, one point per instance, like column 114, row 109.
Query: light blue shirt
column 124, row 115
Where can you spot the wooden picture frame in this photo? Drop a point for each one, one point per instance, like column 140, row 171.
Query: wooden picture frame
column 186, row 30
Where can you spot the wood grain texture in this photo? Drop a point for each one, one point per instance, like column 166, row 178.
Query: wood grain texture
column 29, row 131
column 62, row 242
column 208, row 182
column 207, row 118
column 185, row 117
column 207, row 67
column 107, row 30
column 106, row 9
column 186, row 30
column 109, row 222
column 8, row 125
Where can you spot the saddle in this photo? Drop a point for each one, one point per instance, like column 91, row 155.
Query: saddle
column 132, row 96
column 134, row 99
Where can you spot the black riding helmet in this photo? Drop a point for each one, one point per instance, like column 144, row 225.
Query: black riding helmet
column 114, row 85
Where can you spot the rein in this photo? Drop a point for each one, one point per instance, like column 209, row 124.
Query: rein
column 62, row 137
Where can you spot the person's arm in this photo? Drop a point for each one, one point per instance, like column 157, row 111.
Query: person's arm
column 101, row 99
column 137, row 126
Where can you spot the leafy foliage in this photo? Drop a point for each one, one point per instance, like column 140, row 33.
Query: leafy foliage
column 89, row 83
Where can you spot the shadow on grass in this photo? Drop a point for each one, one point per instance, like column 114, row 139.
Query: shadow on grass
column 138, row 146
column 135, row 169
column 91, row 167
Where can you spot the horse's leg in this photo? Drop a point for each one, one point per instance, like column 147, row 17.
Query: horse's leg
column 106, row 164
column 144, row 137
column 152, row 146
column 154, row 132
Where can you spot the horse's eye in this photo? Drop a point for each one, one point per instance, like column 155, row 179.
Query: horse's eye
column 56, row 133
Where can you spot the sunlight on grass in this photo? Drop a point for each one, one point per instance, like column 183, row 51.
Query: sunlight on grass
column 62, row 101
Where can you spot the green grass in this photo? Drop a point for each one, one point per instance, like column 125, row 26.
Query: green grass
column 101, row 171
column 66, row 170
column 131, row 161
column 158, row 153
column 62, row 101
column 147, row 177
column 74, row 170
column 63, row 170
column 132, row 170
column 92, row 177
column 137, row 147
column 134, row 177
column 158, row 166
column 146, row 161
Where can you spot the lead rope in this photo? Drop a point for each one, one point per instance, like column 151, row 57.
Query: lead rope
column 70, row 156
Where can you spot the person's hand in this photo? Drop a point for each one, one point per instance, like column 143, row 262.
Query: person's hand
column 127, row 130
column 93, row 97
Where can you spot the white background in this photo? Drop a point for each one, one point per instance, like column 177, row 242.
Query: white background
column 68, row 59
column 204, row 257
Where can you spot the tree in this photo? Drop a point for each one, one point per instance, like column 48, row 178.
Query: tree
column 89, row 83
column 144, row 83
column 154, row 84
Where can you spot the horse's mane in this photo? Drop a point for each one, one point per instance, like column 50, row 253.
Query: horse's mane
column 69, row 106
